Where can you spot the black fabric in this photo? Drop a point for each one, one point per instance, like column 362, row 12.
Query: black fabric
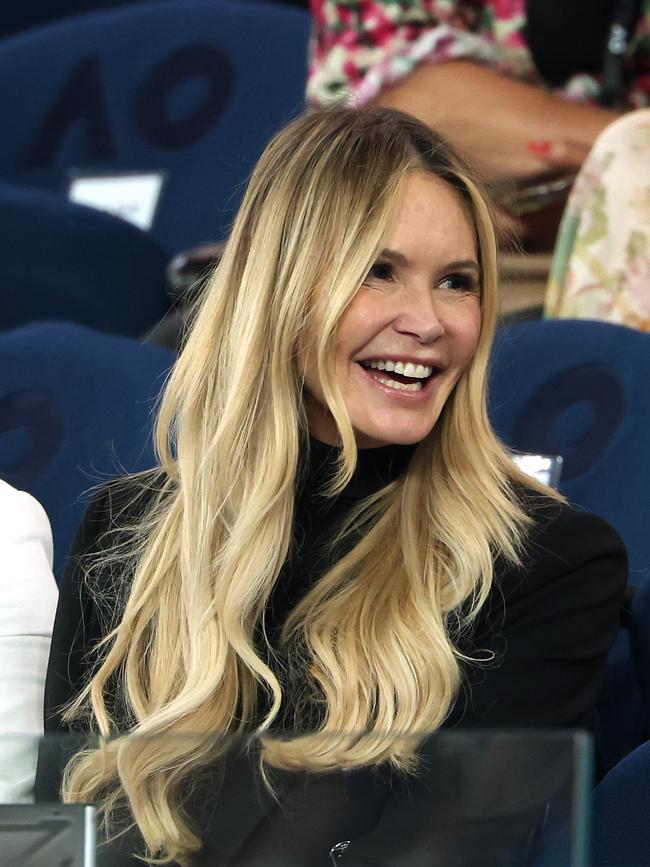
column 548, row 624
column 317, row 517
column 568, row 36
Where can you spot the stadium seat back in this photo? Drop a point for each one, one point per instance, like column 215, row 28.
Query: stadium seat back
column 76, row 408
column 21, row 16
column 580, row 389
column 60, row 260
column 189, row 88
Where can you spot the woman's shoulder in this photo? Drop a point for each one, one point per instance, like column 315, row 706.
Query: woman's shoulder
column 115, row 506
column 562, row 530
column 93, row 585
column 562, row 541
column 548, row 623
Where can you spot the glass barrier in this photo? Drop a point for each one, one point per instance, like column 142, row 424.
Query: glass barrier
column 481, row 798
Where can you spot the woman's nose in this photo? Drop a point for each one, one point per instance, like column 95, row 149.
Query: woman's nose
column 421, row 317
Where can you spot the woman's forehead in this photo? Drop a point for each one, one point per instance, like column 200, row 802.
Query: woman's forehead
column 430, row 219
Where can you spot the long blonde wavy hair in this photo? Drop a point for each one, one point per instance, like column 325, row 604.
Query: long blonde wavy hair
column 375, row 639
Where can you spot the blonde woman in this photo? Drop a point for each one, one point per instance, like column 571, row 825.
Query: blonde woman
column 335, row 543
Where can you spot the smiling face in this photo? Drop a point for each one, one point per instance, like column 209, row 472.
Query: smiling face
column 413, row 326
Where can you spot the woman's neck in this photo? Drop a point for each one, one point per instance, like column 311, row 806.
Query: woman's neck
column 376, row 467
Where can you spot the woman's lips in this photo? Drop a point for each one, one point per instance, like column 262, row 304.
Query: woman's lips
column 372, row 376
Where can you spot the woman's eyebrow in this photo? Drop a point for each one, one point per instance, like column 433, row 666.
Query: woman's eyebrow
column 401, row 259
column 395, row 256
column 467, row 264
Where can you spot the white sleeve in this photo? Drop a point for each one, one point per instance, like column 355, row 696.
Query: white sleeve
column 28, row 596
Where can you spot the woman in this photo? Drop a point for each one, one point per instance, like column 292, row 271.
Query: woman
column 336, row 541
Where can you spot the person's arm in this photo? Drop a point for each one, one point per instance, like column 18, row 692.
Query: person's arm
column 76, row 628
column 492, row 119
column 27, row 603
column 550, row 626
column 79, row 624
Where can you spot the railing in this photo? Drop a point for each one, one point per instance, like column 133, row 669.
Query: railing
column 481, row 798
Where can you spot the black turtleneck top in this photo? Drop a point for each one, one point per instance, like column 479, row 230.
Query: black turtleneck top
column 317, row 517
column 549, row 623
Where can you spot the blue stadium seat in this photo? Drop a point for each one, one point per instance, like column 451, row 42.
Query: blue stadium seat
column 75, row 409
column 21, row 16
column 580, row 389
column 621, row 814
column 60, row 260
column 32, row 13
column 192, row 88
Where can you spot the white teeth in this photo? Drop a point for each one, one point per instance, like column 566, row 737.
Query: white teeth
column 416, row 371
column 400, row 386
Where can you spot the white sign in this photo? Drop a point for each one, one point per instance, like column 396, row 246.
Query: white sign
column 133, row 197
column 545, row 468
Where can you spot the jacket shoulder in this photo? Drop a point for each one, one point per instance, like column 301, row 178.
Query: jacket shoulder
column 566, row 534
column 566, row 547
column 116, row 507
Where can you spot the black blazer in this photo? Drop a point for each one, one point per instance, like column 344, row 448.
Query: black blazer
column 549, row 624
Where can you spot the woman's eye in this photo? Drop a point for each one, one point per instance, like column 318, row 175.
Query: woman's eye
column 461, row 283
column 380, row 271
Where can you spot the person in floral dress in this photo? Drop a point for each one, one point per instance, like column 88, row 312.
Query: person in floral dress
column 601, row 262
column 472, row 70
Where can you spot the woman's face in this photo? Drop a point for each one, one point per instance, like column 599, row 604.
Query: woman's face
column 413, row 326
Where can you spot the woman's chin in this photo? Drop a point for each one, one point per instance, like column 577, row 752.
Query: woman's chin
column 377, row 436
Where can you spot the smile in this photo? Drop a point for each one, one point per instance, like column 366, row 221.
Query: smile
column 400, row 379
column 408, row 370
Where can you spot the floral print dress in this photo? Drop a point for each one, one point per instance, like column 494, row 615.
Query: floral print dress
column 601, row 262
column 601, row 266
column 358, row 47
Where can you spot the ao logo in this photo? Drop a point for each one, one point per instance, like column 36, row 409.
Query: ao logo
column 84, row 101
